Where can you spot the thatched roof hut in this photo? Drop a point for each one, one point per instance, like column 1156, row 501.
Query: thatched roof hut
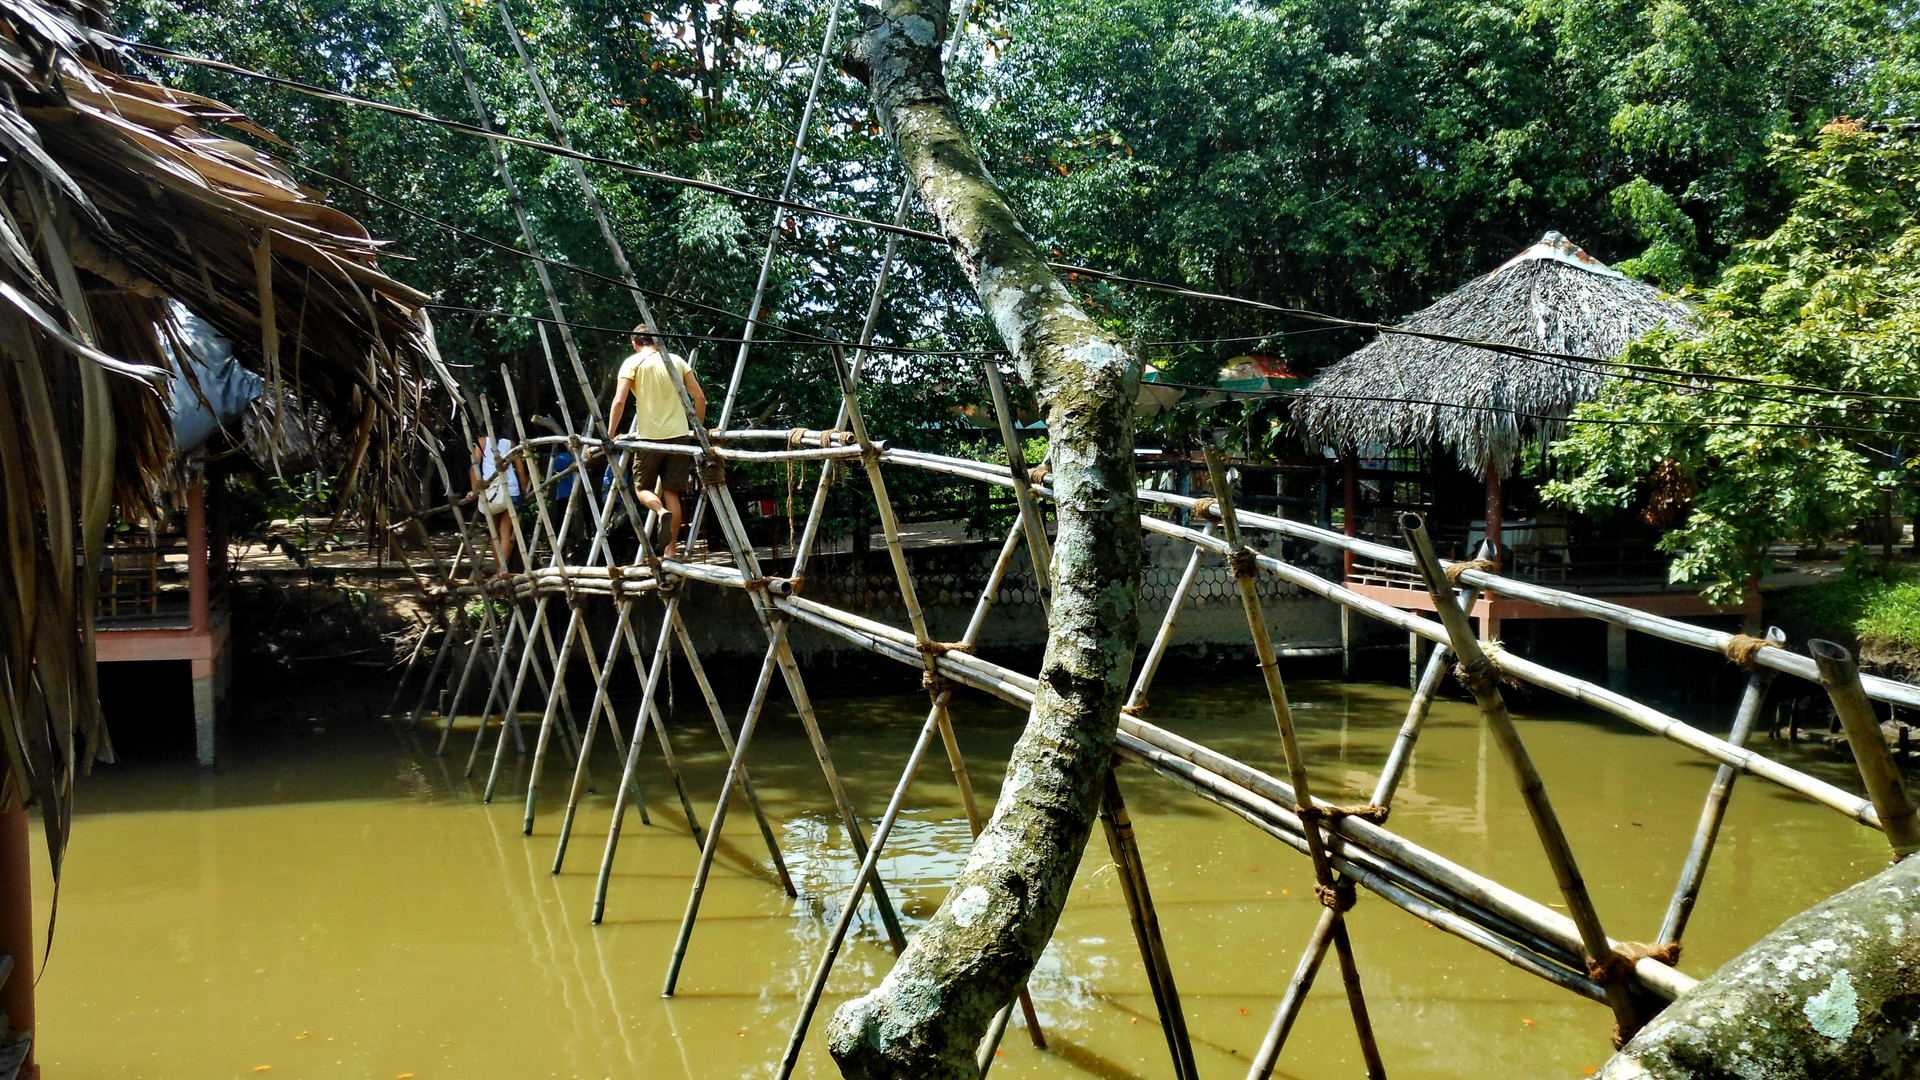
column 1403, row 390
column 117, row 197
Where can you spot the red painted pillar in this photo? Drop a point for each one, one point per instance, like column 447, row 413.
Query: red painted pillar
column 1351, row 480
column 16, row 920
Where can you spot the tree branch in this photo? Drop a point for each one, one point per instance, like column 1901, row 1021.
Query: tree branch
column 926, row 1019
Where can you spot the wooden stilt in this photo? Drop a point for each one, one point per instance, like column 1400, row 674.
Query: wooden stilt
column 1680, row 908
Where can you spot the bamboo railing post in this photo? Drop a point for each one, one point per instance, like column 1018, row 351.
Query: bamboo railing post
column 1333, row 892
column 1038, row 548
column 1478, row 673
column 1841, row 677
column 1694, row 872
column 1163, row 637
column 1132, row 875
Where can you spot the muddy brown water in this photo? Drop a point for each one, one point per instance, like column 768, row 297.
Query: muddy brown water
column 336, row 903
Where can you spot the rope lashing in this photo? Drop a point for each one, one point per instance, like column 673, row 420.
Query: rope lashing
column 795, row 584
column 870, row 452
column 1479, row 677
column 616, row 584
column 756, row 584
column 1339, row 896
column 1037, row 474
column 661, row 581
column 1743, row 648
column 1134, row 710
column 1617, row 966
column 797, row 438
column 935, row 683
column 938, row 648
column 1245, row 562
column 713, row 472
column 1330, row 815
column 1454, row 571
column 1206, row 509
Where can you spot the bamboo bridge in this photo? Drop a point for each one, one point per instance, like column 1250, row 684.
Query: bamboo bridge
column 512, row 647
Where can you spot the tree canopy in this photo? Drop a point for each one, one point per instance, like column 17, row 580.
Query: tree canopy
column 1821, row 316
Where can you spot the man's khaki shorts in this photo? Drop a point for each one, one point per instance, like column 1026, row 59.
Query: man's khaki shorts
column 671, row 471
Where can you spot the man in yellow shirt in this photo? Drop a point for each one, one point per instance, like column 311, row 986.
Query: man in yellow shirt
column 651, row 378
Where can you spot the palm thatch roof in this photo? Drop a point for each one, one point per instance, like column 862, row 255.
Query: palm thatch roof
column 116, row 197
column 1403, row 390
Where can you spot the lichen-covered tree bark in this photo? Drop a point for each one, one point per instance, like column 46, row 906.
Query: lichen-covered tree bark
column 1833, row 994
column 927, row 1017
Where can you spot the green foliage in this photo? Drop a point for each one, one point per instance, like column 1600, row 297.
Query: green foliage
column 1875, row 606
column 1827, row 299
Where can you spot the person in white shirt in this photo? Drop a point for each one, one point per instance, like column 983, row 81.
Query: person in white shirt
column 651, row 378
column 497, row 491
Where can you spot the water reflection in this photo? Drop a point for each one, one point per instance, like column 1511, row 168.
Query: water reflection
column 336, row 903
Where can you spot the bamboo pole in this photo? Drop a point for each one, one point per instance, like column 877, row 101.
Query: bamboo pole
column 1477, row 674
column 1328, row 887
column 1030, row 516
column 1132, row 876
column 726, row 743
column 1841, row 677
column 1396, row 764
column 1163, row 637
column 1694, row 872
column 937, row 720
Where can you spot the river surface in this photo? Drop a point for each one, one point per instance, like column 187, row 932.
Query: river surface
column 336, row 903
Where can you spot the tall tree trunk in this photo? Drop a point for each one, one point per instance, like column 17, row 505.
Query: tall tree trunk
column 1830, row 995
column 927, row 1017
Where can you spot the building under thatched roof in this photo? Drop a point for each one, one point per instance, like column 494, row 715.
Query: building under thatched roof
column 1402, row 390
column 119, row 197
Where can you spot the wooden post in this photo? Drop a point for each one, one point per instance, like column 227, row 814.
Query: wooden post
column 200, row 618
column 1496, row 512
column 1680, row 908
column 1350, row 480
column 1841, row 677
column 1478, row 674
column 16, row 920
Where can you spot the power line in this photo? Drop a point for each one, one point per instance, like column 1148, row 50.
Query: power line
column 1519, row 351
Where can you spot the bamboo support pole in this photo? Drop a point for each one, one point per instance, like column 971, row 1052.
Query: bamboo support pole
column 1163, row 637
column 937, row 720
column 1694, row 872
column 781, row 656
column 1328, row 887
column 1841, row 677
column 726, row 743
column 1132, row 875
column 1478, row 675
column 1030, row 516
column 623, row 612
column 837, row 936
column 1384, row 789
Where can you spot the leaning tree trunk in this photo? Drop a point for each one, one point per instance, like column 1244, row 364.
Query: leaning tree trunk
column 1832, row 994
column 927, row 1017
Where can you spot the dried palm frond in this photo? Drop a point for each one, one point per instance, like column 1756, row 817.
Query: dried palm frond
column 116, row 196
column 1483, row 405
